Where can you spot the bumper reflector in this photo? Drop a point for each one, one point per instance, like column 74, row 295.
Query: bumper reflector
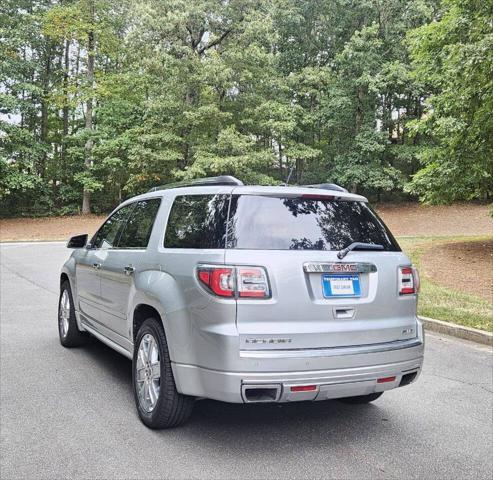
column 304, row 388
column 386, row 379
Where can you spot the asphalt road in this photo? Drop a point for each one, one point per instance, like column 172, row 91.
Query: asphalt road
column 70, row 413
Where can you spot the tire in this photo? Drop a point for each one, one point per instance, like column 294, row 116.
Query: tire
column 362, row 399
column 68, row 331
column 158, row 402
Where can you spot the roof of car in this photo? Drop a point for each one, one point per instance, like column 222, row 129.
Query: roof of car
column 288, row 191
column 296, row 191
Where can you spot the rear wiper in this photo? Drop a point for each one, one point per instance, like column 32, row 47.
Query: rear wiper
column 361, row 246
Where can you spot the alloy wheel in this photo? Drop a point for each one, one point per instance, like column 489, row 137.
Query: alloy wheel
column 64, row 314
column 148, row 373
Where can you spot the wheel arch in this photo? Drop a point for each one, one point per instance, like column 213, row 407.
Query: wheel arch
column 159, row 291
column 64, row 278
column 67, row 273
column 141, row 312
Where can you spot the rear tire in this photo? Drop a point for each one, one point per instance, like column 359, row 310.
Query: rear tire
column 68, row 331
column 158, row 402
column 362, row 399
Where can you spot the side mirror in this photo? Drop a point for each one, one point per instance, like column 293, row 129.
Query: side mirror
column 78, row 241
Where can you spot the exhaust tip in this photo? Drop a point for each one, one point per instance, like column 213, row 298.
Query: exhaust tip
column 407, row 379
column 261, row 393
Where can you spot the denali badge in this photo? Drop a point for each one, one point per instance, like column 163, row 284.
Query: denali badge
column 264, row 341
column 322, row 267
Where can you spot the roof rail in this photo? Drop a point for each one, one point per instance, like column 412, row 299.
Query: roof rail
column 201, row 182
column 328, row 186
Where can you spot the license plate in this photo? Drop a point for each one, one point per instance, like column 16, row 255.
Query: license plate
column 341, row 286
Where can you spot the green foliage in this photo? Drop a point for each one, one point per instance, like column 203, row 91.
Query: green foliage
column 265, row 90
column 454, row 57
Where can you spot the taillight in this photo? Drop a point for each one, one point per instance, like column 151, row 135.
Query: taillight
column 408, row 280
column 252, row 282
column 231, row 281
column 219, row 280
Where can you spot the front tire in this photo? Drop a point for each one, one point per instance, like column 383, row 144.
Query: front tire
column 362, row 399
column 68, row 331
column 158, row 402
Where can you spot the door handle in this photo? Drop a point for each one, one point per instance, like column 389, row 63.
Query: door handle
column 96, row 266
column 129, row 270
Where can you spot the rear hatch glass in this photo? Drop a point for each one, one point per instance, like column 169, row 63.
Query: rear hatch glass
column 297, row 223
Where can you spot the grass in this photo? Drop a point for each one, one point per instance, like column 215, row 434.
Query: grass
column 443, row 303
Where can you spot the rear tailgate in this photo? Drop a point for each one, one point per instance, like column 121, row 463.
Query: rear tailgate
column 317, row 300
column 298, row 315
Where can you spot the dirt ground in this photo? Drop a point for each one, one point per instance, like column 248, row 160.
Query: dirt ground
column 416, row 220
column 50, row 228
column 402, row 219
column 462, row 266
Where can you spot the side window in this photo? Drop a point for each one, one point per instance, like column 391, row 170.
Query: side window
column 107, row 236
column 197, row 221
column 137, row 230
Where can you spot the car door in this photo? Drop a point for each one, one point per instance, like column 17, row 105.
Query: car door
column 89, row 264
column 88, row 285
column 122, row 263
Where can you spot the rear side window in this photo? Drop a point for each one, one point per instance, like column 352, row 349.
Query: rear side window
column 282, row 223
column 197, row 221
column 138, row 228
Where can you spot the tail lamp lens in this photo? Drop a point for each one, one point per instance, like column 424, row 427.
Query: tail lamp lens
column 252, row 282
column 243, row 282
column 408, row 280
column 218, row 280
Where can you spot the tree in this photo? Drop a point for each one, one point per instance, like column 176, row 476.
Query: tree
column 454, row 56
column 102, row 99
column 93, row 25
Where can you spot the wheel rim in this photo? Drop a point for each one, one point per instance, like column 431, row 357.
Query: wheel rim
column 64, row 315
column 148, row 373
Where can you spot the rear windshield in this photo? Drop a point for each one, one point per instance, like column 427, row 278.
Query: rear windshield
column 282, row 223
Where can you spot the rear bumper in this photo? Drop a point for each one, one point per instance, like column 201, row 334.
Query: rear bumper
column 231, row 386
column 344, row 373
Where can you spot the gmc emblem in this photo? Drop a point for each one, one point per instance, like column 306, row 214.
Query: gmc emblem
column 344, row 267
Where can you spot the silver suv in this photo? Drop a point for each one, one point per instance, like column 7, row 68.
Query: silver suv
column 245, row 294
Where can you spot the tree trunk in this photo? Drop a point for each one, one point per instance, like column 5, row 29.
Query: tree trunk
column 359, row 109
column 65, row 110
column 299, row 170
column 23, row 94
column 358, row 123
column 86, row 200
column 44, row 110
column 281, row 167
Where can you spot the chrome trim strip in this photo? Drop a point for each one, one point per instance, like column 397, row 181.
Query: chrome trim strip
column 333, row 351
column 338, row 267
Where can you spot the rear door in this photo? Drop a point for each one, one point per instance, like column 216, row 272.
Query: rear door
column 318, row 300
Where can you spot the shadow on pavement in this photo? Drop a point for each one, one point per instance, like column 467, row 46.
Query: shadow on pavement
column 261, row 429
